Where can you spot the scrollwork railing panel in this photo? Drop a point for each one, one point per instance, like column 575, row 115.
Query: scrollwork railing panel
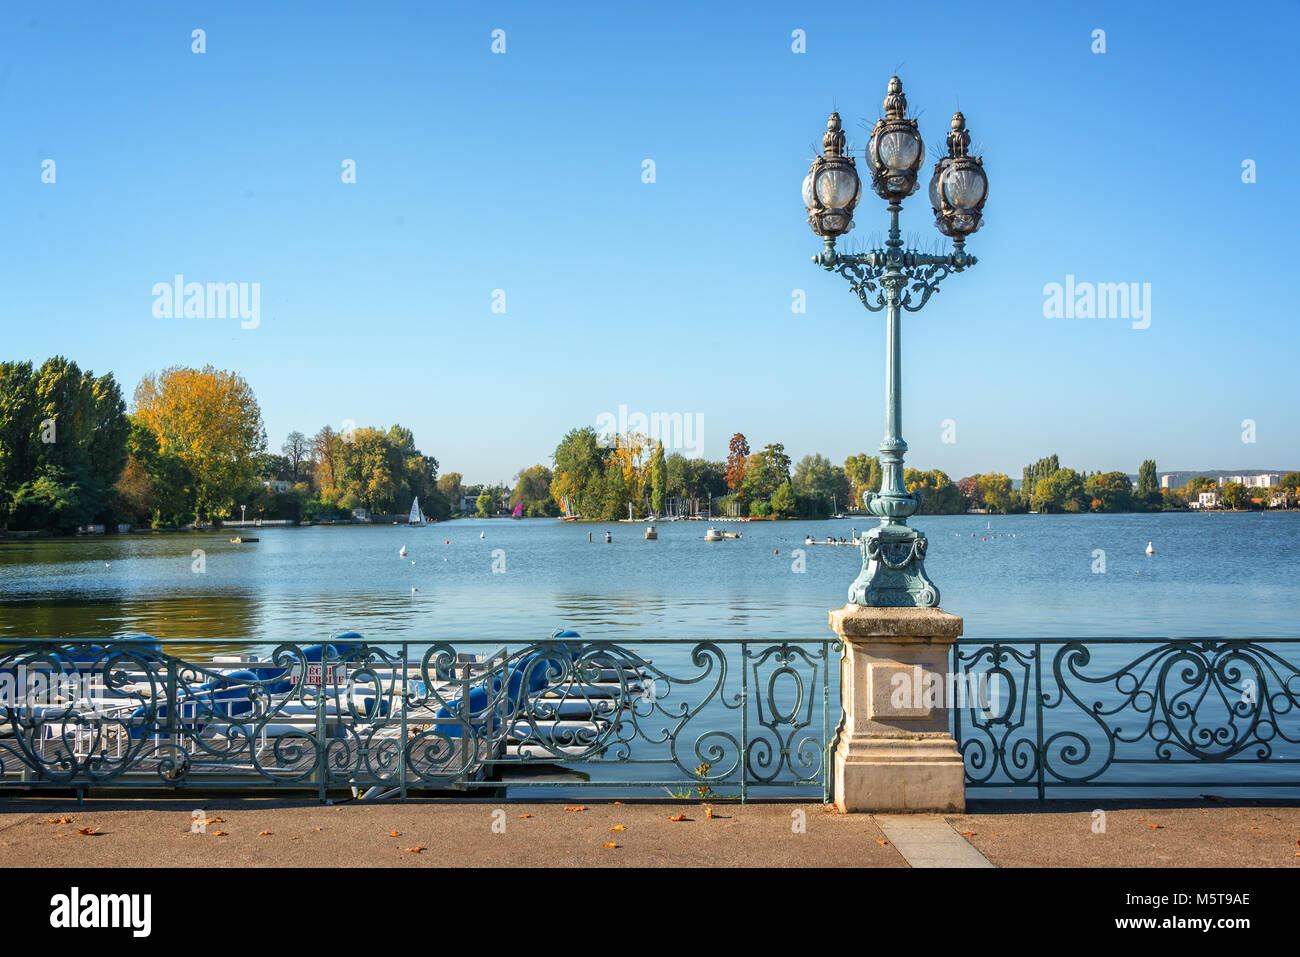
column 1178, row 712
column 715, row 717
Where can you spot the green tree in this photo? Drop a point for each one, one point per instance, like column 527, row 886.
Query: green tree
column 484, row 506
column 658, row 480
column 815, row 477
column 63, row 445
column 783, row 503
column 533, row 488
column 764, row 473
column 371, row 471
column 998, row 492
column 579, row 472
column 1111, row 491
column 1235, row 495
column 1043, row 468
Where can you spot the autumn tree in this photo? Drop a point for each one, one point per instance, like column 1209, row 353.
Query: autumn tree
column 864, row 474
column 324, row 449
column 211, row 422
column 737, row 462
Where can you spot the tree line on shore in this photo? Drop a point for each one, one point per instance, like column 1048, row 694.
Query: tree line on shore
column 192, row 449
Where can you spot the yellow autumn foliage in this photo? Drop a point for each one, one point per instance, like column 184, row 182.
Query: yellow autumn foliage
column 210, row 420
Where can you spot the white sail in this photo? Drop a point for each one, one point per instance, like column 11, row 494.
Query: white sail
column 415, row 512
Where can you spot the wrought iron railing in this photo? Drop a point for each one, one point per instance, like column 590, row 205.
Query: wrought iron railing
column 1130, row 713
column 709, row 718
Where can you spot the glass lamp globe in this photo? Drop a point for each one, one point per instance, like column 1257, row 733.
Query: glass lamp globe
column 832, row 187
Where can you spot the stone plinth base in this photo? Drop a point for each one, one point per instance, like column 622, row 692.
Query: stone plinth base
column 895, row 752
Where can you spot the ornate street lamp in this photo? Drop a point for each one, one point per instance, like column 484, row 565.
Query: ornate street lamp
column 892, row 279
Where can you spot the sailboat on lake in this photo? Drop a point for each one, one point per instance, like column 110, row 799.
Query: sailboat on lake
column 519, row 510
column 416, row 517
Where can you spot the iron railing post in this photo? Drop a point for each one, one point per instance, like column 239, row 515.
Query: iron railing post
column 1038, row 715
column 322, row 750
column 401, row 749
column 744, row 722
column 826, row 721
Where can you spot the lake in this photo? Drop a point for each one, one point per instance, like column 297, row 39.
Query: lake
column 1021, row 576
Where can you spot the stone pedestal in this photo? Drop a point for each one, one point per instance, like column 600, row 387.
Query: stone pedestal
column 895, row 752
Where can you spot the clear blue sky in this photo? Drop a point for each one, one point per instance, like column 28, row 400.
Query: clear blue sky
column 522, row 172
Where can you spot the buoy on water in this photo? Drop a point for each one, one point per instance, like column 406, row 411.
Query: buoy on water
column 589, row 536
column 402, row 553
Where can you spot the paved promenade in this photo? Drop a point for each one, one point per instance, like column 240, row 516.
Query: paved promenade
column 36, row 832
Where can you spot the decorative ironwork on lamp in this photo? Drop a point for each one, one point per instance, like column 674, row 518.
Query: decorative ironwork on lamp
column 893, row 279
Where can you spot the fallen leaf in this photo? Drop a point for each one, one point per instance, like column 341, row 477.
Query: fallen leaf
column 58, row 835
column 611, row 845
column 263, row 833
column 59, row 820
column 318, row 829
column 394, row 833
column 1157, row 826
column 618, row 802
column 579, row 808
column 968, row 833
column 708, row 811
column 522, row 816
column 881, row 843
column 215, row 820
column 293, row 838
column 618, row 827
column 218, row 833
column 415, row 850
column 88, row 831
column 679, row 817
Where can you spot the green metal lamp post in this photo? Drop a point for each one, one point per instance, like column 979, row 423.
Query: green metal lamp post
column 893, row 279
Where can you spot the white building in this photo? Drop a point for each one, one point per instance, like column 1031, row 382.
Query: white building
column 1208, row 499
column 1260, row 480
column 1165, row 483
column 275, row 485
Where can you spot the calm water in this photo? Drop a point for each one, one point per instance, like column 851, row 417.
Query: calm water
column 1009, row 577
column 1015, row 576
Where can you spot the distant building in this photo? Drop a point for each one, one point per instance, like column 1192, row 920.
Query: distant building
column 275, row 485
column 1208, row 499
column 1260, row 480
column 468, row 504
column 361, row 514
column 1165, row 483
